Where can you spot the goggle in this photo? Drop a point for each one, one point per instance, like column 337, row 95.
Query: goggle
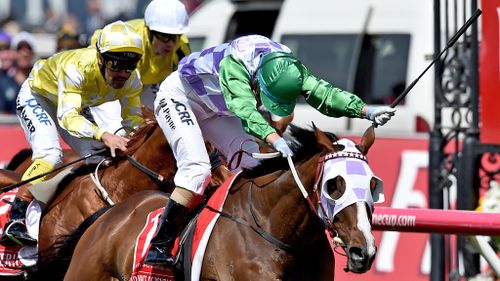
column 115, row 64
column 164, row 37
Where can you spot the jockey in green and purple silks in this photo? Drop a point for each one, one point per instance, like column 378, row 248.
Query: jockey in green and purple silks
column 214, row 96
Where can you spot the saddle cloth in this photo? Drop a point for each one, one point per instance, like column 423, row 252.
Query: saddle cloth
column 142, row 271
column 204, row 225
column 13, row 258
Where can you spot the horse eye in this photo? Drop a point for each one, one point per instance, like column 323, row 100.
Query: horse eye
column 335, row 187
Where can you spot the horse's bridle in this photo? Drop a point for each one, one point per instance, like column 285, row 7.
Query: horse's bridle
column 216, row 160
column 104, row 194
column 324, row 157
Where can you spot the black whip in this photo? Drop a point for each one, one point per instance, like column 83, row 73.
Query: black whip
column 450, row 43
column 14, row 185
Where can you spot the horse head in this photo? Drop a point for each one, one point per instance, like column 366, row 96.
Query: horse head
column 339, row 189
column 348, row 190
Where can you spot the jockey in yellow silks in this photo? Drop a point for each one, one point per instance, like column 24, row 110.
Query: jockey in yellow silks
column 161, row 31
column 51, row 102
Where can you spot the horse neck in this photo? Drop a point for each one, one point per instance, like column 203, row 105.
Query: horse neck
column 290, row 217
column 155, row 154
column 155, row 151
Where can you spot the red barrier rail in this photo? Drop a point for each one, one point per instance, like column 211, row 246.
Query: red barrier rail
column 436, row 221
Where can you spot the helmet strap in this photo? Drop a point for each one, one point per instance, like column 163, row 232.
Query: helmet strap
column 150, row 35
column 102, row 66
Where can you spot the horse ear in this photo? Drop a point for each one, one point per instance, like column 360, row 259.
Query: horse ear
column 323, row 140
column 367, row 140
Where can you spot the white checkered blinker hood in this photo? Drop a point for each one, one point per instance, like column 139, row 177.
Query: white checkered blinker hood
column 351, row 165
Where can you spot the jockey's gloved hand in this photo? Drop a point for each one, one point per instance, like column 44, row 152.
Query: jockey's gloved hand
column 281, row 146
column 379, row 114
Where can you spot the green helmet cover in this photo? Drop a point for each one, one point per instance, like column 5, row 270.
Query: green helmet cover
column 280, row 77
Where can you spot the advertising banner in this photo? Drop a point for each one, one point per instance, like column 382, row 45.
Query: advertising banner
column 489, row 74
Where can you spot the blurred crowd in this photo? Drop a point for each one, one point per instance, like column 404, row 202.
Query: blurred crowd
column 72, row 29
column 16, row 60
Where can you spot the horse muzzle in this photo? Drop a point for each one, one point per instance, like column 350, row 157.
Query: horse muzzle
column 359, row 261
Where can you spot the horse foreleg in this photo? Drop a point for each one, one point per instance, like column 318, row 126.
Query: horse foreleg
column 317, row 263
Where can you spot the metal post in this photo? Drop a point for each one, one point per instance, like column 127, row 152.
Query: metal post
column 468, row 184
column 435, row 158
column 436, row 200
column 467, row 199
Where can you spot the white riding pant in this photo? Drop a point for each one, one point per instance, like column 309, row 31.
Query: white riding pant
column 38, row 118
column 108, row 115
column 186, row 122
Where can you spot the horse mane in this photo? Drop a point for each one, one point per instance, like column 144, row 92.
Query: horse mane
column 141, row 134
column 138, row 138
column 19, row 158
column 304, row 145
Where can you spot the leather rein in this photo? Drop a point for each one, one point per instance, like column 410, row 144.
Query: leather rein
column 311, row 198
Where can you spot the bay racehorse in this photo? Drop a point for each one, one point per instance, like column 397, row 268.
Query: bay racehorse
column 78, row 197
column 147, row 151
column 269, row 230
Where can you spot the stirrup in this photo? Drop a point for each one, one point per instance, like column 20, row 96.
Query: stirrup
column 160, row 257
column 18, row 239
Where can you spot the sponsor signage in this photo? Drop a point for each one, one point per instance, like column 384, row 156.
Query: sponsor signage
column 489, row 78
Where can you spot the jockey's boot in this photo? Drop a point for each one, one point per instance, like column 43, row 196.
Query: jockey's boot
column 38, row 167
column 171, row 223
column 15, row 229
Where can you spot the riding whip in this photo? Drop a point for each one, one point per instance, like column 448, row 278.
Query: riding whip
column 450, row 43
column 14, row 185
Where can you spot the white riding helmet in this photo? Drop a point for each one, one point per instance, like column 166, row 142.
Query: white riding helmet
column 167, row 16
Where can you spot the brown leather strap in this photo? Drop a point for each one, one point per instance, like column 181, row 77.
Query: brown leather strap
column 24, row 194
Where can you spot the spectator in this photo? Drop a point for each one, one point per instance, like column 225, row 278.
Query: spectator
column 95, row 19
column 23, row 43
column 191, row 5
column 52, row 21
column 8, row 86
column 7, row 56
column 67, row 39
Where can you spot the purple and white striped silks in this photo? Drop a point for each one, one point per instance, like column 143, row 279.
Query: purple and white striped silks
column 201, row 69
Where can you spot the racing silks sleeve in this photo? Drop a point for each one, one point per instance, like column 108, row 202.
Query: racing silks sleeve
column 70, row 81
column 131, row 105
column 236, row 87
column 330, row 100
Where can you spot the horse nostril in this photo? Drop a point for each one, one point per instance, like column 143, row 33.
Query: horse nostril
column 357, row 254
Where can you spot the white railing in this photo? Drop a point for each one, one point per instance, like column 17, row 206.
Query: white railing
column 8, row 119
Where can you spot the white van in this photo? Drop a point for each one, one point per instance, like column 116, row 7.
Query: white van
column 373, row 48
column 218, row 21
